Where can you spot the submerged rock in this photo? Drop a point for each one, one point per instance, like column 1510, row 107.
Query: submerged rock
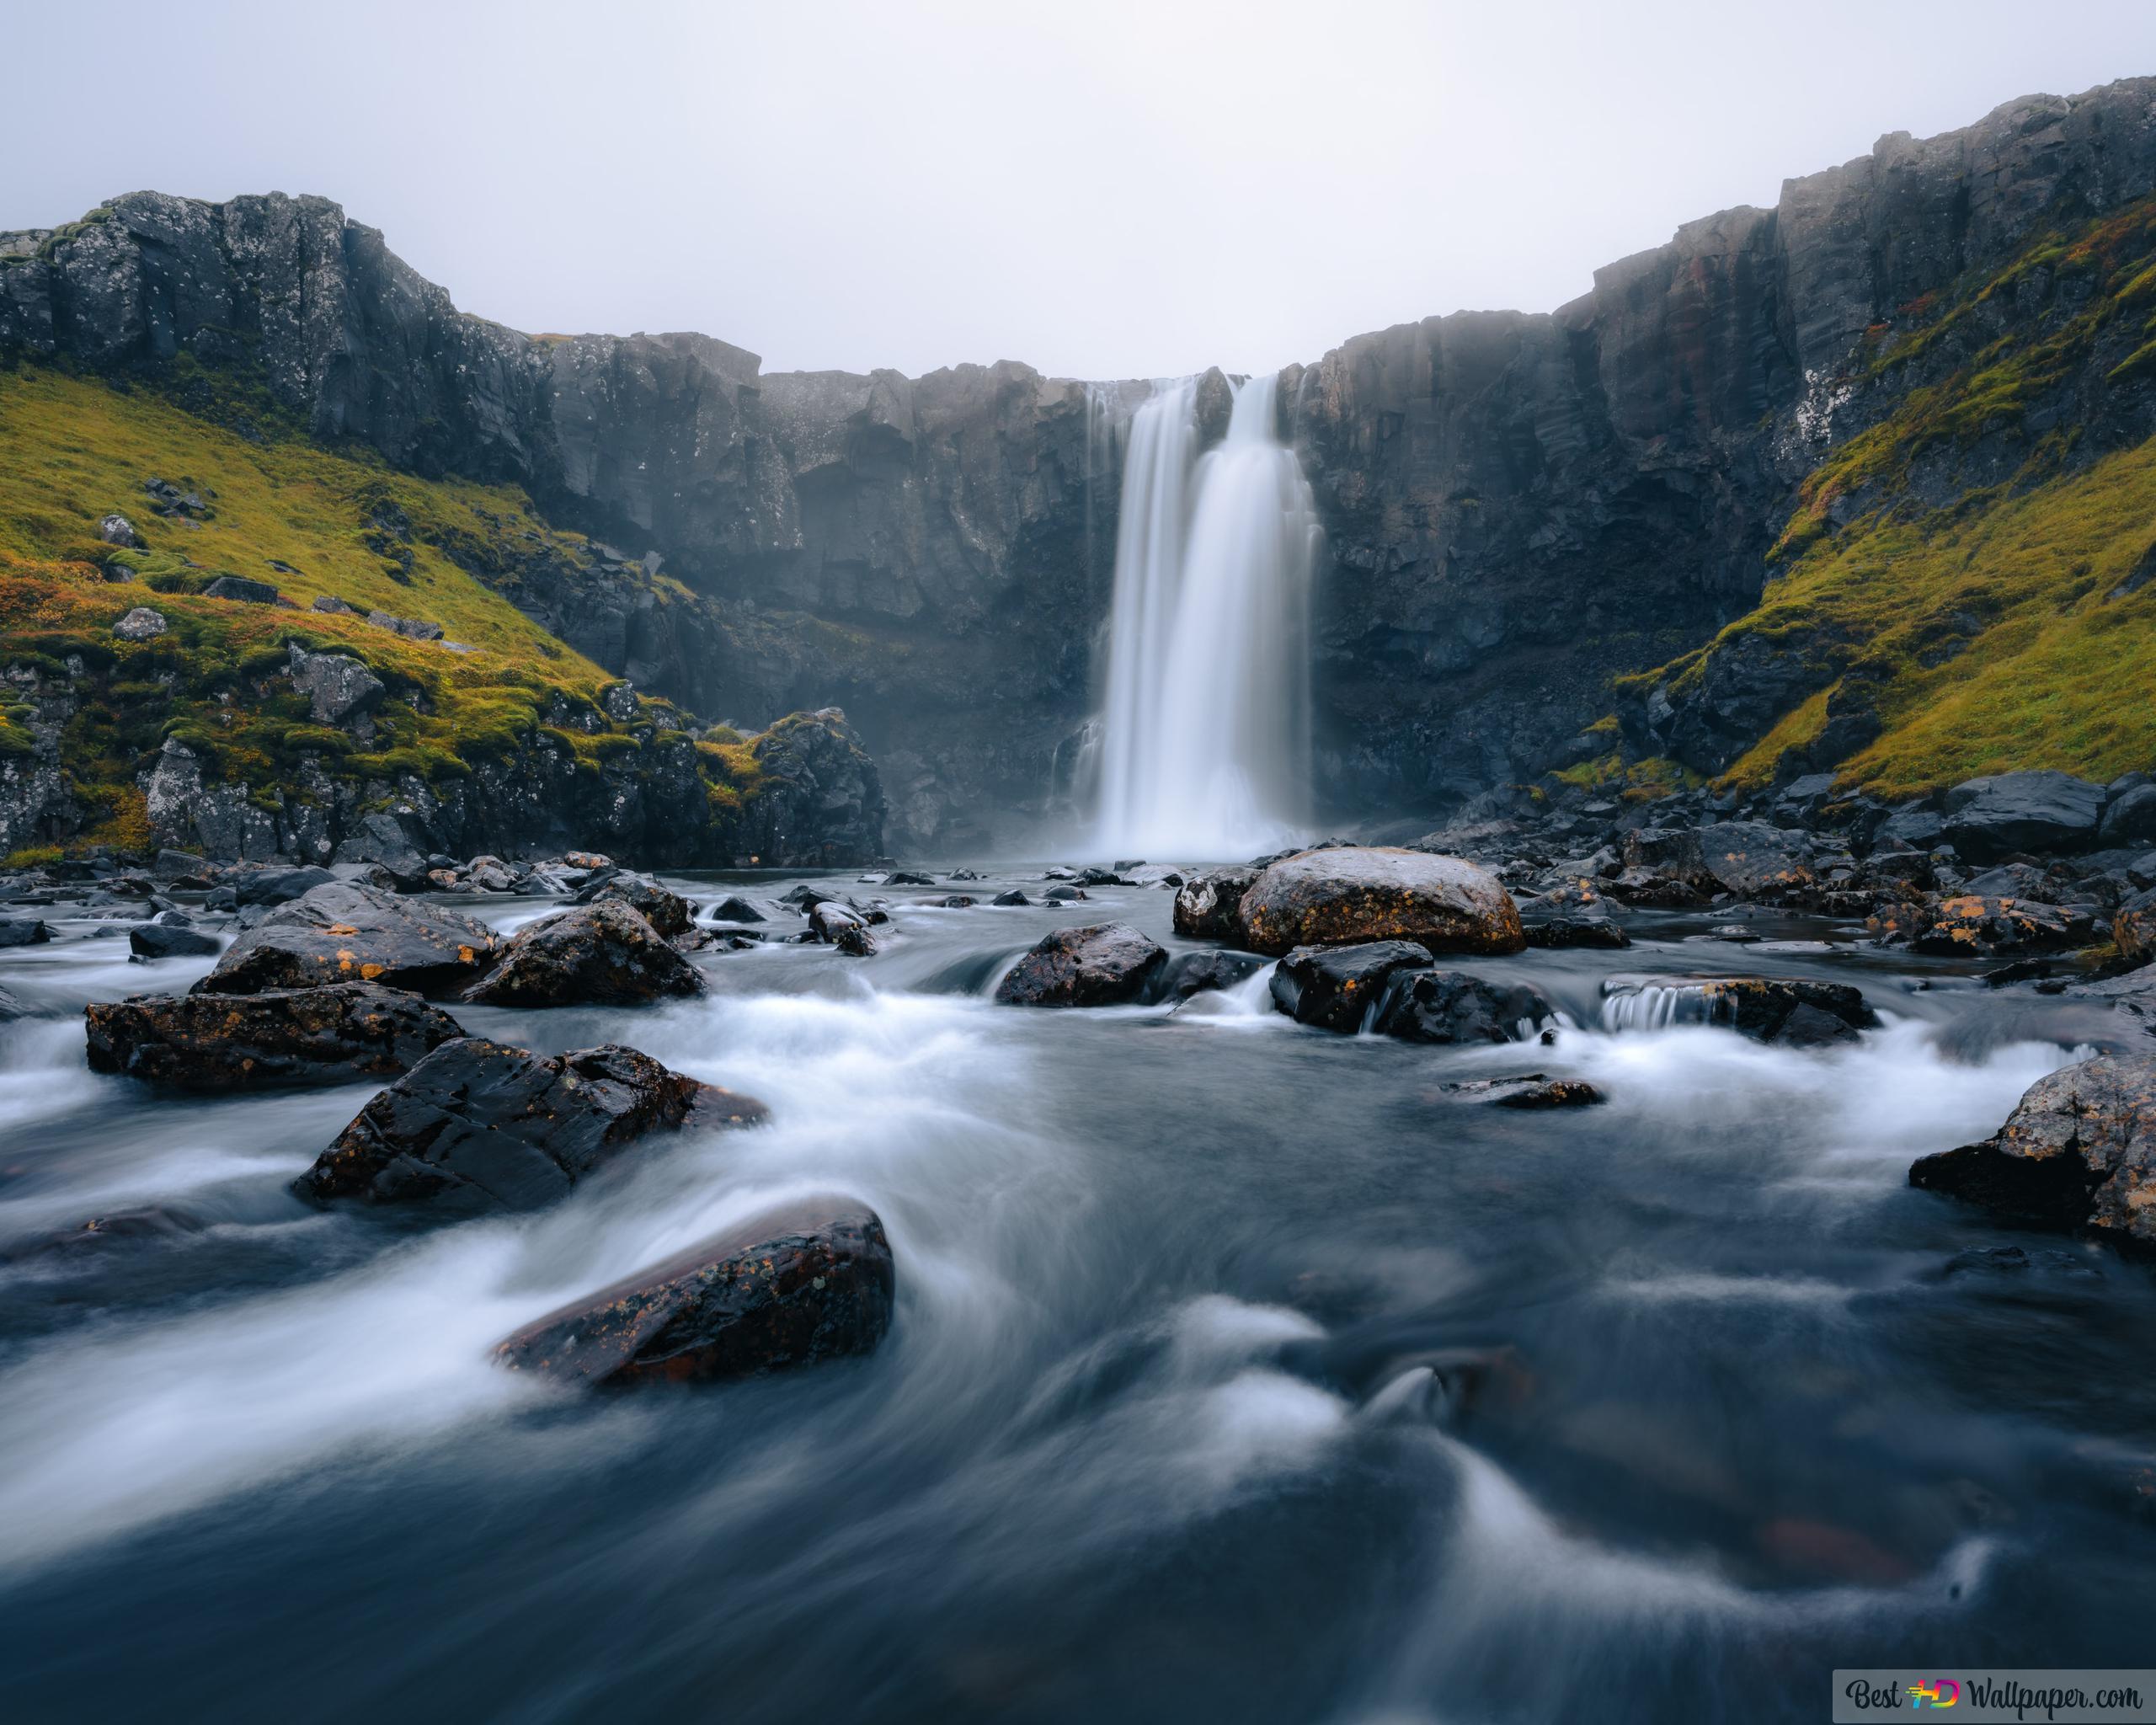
column 1454, row 1007
column 1529, row 1090
column 284, row 1037
column 478, row 1126
column 1338, row 988
column 1206, row 904
column 601, row 954
column 1351, row 893
column 349, row 933
column 811, row 1281
column 2078, row 1151
column 1108, row 963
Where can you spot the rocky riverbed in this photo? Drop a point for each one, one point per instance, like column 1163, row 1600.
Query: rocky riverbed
column 1364, row 1282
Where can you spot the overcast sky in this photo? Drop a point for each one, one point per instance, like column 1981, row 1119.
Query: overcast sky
column 1098, row 188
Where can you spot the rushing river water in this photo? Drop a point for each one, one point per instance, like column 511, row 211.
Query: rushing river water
column 1240, row 1372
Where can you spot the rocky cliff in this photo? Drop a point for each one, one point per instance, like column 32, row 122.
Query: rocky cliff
column 1518, row 506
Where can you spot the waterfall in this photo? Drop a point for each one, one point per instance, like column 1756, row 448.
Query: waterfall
column 1205, row 736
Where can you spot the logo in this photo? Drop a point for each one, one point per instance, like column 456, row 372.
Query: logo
column 1934, row 1692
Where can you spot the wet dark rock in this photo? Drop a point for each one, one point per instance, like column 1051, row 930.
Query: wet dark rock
column 1063, row 896
column 1013, row 897
column 1339, row 988
column 1352, row 894
column 1560, row 931
column 23, row 931
column 1206, row 904
column 606, row 954
column 1455, row 1007
column 330, row 1035
column 2130, row 817
column 901, row 877
column 956, row 901
column 478, row 1126
column 164, row 940
column 1108, row 963
column 666, row 909
column 1757, row 861
column 1529, row 1090
column 847, row 930
column 348, row 932
column 1788, row 1012
column 811, row 1281
column 2133, row 929
column 1988, row 818
column 147, row 1223
column 277, row 886
column 1971, row 925
column 1189, row 973
column 2079, row 1151
column 735, row 909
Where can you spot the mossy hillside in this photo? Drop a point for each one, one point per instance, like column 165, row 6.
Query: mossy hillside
column 71, row 450
column 2013, row 627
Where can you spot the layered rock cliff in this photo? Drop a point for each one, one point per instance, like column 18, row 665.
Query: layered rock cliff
column 1517, row 506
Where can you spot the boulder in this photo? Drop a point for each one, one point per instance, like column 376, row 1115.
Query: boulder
column 601, row 954
column 2079, row 1151
column 835, row 925
column 277, row 886
column 1452, row 1006
column 666, row 909
column 405, row 626
column 812, row 1280
column 736, row 909
column 1919, row 828
column 115, row 529
column 330, row 1035
column 1667, row 852
column 1339, row 988
column 2130, row 818
column 1990, row 818
column 1755, row 861
column 1970, row 925
column 337, row 686
column 140, row 624
column 23, row 931
column 334, row 606
column 1789, row 1012
column 1014, row 897
column 1352, row 894
column 166, row 940
column 348, row 932
column 1108, row 964
column 1206, row 904
column 1201, row 973
column 380, row 837
column 1562, row 930
column 477, row 1126
column 240, row 588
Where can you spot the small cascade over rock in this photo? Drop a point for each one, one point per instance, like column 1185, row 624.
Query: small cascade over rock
column 1205, row 734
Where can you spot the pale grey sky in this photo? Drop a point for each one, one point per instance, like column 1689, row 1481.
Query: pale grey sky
column 1102, row 187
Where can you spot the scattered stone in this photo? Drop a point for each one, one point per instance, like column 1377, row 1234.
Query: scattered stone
column 1564, row 933
column 835, row 925
column 1109, row 963
column 1063, row 896
column 1339, row 988
column 1206, row 904
column 23, row 931
column 278, row 886
column 901, row 877
column 1529, row 1090
column 1014, row 897
column 1972, row 925
column 1791, row 1013
column 115, row 529
column 405, row 626
column 2130, row 818
column 606, row 954
column 2079, row 1151
column 348, row 932
column 736, row 909
column 1455, row 1007
column 477, row 1126
column 333, row 605
column 1351, row 893
column 331, row 1035
column 240, row 588
column 140, row 624
column 811, row 1281
column 337, row 686
column 956, row 901
column 161, row 940
column 1204, row 973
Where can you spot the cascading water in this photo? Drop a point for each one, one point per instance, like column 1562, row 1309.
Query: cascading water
column 1205, row 738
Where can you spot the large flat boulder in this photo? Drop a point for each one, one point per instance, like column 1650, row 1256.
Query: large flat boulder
column 1105, row 964
column 2044, row 811
column 2079, row 1151
column 335, row 1034
column 601, row 954
column 478, row 1126
column 811, row 1281
column 1338, row 988
column 349, row 933
column 1976, row 925
column 1352, row 894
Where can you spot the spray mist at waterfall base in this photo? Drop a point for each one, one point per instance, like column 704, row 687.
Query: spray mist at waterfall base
column 1205, row 738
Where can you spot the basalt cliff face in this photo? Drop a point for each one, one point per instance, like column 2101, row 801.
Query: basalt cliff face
column 1517, row 507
